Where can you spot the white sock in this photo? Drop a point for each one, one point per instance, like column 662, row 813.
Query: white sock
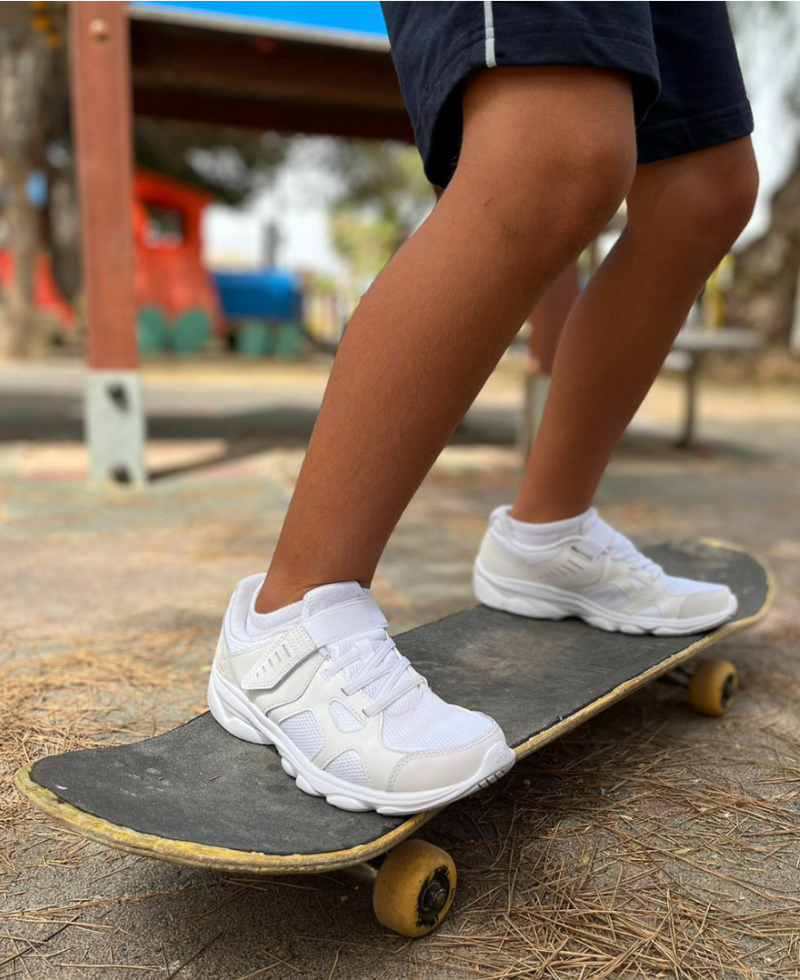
column 260, row 625
column 541, row 535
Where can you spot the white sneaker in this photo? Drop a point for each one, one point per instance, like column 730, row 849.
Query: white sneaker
column 351, row 718
column 585, row 568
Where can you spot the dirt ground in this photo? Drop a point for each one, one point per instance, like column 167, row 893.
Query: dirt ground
column 651, row 842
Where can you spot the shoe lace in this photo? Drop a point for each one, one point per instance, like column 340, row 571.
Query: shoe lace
column 624, row 549
column 379, row 659
column 605, row 538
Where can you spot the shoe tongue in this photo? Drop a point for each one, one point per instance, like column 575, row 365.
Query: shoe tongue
column 326, row 596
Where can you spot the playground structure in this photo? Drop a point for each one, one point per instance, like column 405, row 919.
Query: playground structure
column 172, row 61
column 180, row 303
column 168, row 266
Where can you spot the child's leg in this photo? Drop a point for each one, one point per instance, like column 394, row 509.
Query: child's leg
column 549, row 316
column 558, row 557
column 429, row 331
column 684, row 213
column 547, row 320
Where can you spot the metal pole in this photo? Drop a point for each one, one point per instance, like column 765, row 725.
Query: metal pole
column 101, row 106
column 690, row 417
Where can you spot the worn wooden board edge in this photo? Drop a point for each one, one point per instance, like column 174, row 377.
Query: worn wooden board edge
column 208, row 857
column 204, row 856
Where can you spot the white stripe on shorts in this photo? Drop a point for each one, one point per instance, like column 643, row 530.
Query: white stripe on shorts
column 488, row 22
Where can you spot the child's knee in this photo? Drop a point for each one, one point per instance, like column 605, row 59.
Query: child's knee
column 548, row 149
column 721, row 201
column 594, row 179
column 732, row 199
column 709, row 204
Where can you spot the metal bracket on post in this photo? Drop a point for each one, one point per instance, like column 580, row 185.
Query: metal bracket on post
column 115, row 427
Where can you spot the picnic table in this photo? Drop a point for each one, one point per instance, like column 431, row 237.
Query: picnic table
column 688, row 355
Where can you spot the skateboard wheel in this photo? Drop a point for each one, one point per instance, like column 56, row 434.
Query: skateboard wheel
column 414, row 888
column 713, row 686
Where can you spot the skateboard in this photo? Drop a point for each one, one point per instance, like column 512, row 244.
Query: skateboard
column 201, row 797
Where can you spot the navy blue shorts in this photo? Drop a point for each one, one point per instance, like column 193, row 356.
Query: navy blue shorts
column 687, row 86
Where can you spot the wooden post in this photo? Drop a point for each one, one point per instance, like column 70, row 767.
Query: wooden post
column 101, row 107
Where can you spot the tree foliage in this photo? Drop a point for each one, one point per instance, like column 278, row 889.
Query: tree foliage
column 380, row 195
column 385, row 178
column 229, row 164
column 763, row 290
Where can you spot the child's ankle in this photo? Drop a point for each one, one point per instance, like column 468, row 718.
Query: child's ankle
column 545, row 514
column 275, row 595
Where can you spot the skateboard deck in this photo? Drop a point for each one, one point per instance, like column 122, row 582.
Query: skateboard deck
column 199, row 796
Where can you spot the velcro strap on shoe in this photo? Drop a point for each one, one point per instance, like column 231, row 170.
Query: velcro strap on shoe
column 355, row 616
column 596, row 543
column 278, row 659
column 589, row 549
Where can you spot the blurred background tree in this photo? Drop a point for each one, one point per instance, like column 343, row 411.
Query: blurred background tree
column 365, row 241
column 229, row 164
column 28, row 66
column 380, row 197
column 763, row 290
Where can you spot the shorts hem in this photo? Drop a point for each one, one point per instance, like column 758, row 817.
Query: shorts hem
column 692, row 133
column 588, row 50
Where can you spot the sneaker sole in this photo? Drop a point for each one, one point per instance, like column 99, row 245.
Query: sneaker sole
column 543, row 602
column 238, row 716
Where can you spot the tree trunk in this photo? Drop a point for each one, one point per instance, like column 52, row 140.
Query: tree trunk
column 23, row 222
column 764, row 286
column 25, row 70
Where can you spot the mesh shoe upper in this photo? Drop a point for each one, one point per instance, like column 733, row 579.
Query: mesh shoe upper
column 353, row 705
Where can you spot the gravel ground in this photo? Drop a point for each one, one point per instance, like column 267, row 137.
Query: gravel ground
column 648, row 843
